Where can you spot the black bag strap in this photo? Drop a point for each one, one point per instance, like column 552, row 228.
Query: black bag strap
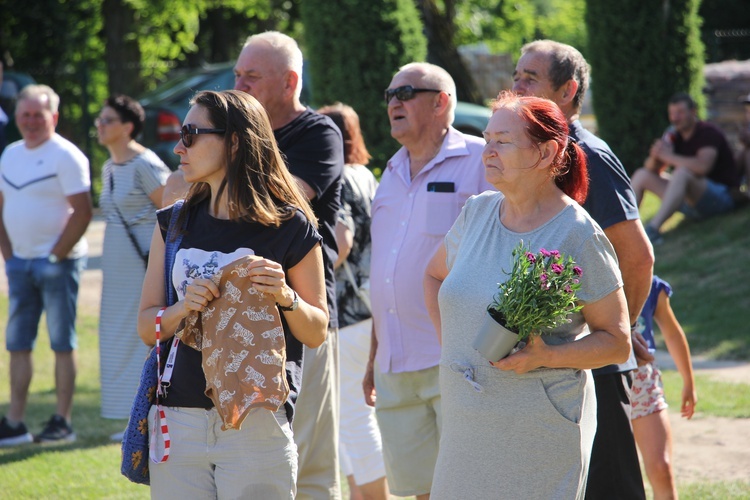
column 131, row 236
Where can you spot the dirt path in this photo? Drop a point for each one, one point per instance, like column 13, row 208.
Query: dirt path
column 705, row 448
column 711, row 448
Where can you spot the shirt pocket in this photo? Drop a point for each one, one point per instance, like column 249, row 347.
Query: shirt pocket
column 441, row 210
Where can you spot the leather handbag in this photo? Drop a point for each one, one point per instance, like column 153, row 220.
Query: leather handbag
column 135, row 443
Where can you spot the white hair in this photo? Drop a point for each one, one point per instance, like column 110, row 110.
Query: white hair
column 286, row 52
column 435, row 77
column 38, row 91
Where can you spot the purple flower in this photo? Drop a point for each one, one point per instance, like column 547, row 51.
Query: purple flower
column 545, row 286
column 543, row 278
column 555, row 253
column 578, row 271
column 568, row 289
column 557, row 268
column 531, row 257
column 576, row 281
column 544, row 252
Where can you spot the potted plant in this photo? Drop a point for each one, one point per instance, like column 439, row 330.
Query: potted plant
column 538, row 296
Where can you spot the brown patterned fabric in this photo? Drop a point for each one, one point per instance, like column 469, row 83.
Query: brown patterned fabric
column 243, row 348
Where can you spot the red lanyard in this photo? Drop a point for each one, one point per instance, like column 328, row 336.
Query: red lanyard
column 160, row 418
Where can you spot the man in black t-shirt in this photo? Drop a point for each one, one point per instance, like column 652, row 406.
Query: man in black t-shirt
column 560, row 73
column 270, row 69
column 704, row 174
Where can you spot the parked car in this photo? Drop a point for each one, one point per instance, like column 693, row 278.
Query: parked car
column 167, row 105
column 13, row 82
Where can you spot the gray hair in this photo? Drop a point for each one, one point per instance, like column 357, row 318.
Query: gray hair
column 286, row 52
column 435, row 77
column 566, row 63
column 37, row 91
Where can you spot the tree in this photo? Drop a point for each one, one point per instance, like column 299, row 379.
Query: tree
column 641, row 53
column 441, row 47
column 226, row 24
column 56, row 42
column 354, row 49
column 122, row 51
column 504, row 26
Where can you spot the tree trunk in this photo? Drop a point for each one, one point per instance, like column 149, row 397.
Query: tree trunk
column 122, row 53
column 441, row 50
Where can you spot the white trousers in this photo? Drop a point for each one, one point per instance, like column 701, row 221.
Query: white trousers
column 360, row 446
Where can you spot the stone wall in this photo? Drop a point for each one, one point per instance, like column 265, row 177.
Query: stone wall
column 492, row 72
column 727, row 84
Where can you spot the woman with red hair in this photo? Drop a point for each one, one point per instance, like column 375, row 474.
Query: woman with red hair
column 523, row 427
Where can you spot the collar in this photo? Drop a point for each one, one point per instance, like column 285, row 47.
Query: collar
column 454, row 144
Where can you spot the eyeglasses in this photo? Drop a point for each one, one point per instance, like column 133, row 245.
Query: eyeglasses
column 405, row 93
column 105, row 120
column 188, row 131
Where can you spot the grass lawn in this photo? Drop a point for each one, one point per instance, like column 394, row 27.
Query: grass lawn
column 718, row 399
column 703, row 262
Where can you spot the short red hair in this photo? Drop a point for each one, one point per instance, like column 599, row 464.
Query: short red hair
column 546, row 122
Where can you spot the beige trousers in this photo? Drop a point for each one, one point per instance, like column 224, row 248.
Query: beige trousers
column 316, row 422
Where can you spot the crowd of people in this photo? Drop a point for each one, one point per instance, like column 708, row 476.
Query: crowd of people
column 377, row 289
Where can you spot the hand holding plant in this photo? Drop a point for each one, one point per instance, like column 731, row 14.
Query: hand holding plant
column 540, row 292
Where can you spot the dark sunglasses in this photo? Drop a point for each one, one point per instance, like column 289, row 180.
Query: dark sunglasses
column 405, row 93
column 188, row 131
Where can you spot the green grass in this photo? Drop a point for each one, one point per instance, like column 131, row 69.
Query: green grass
column 715, row 398
column 715, row 491
column 706, row 264
column 88, row 468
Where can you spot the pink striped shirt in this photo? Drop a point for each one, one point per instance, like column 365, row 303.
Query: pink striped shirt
column 409, row 221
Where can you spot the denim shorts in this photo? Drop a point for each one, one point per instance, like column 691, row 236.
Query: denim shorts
column 36, row 285
column 715, row 200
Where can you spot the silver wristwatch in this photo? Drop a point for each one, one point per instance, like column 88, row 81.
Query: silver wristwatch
column 293, row 307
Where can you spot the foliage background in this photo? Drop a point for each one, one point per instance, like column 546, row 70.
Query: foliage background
column 641, row 53
column 393, row 37
column 87, row 49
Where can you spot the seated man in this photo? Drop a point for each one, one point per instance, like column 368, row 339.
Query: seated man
column 703, row 172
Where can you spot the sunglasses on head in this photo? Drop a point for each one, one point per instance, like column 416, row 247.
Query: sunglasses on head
column 188, row 131
column 405, row 93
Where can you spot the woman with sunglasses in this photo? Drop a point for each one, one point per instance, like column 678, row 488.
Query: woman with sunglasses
column 133, row 179
column 242, row 202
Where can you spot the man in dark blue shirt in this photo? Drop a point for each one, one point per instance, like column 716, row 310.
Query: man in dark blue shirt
column 560, row 73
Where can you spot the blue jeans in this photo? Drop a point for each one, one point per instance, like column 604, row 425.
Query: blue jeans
column 715, row 200
column 36, row 285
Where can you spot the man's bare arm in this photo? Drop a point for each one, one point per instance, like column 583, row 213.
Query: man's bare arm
column 636, row 258
column 5, row 245
column 77, row 224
